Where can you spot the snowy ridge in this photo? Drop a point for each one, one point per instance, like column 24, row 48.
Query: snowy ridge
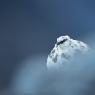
column 64, row 50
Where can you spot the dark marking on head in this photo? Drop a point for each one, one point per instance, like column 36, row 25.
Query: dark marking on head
column 61, row 42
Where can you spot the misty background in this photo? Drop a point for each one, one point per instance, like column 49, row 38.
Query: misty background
column 29, row 28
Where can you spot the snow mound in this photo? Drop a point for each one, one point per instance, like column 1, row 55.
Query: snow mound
column 64, row 51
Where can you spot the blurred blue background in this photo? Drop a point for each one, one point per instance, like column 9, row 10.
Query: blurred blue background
column 30, row 27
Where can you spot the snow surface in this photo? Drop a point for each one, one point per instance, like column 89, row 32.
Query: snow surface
column 64, row 51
